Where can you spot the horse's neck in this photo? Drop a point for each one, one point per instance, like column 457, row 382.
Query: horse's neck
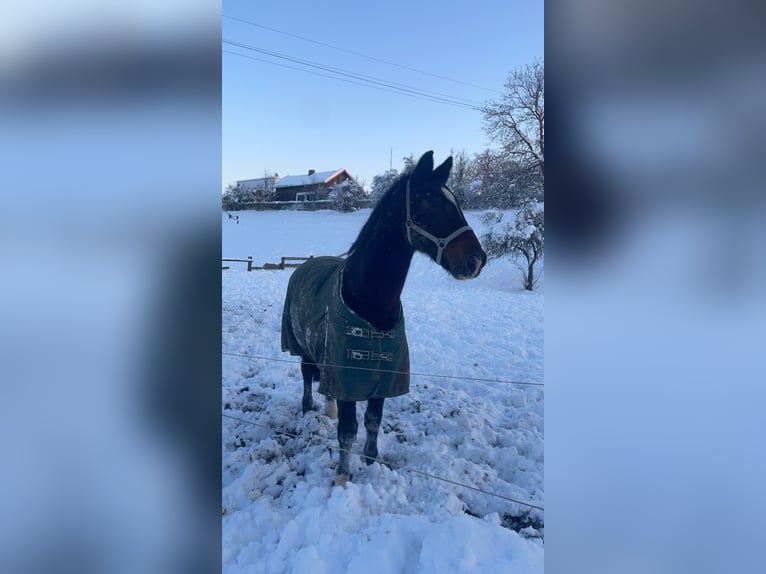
column 374, row 277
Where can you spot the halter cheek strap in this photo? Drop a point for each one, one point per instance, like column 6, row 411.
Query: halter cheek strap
column 441, row 242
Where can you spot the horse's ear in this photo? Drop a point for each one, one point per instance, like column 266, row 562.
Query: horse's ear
column 425, row 166
column 441, row 173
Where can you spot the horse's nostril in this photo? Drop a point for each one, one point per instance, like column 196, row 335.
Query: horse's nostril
column 475, row 264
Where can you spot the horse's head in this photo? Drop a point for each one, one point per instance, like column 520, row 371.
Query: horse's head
column 435, row 224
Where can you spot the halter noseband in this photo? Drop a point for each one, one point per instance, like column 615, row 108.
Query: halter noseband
column 441, row 242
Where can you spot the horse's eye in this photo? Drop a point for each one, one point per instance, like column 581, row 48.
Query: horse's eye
column 433, row 200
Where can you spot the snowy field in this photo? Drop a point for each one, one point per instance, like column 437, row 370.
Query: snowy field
column 281, row 512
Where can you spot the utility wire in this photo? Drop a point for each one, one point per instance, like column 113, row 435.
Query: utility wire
column 387, row 371
column 365, row 85
column 388, row 464
column 368, row 79
column 373, row 58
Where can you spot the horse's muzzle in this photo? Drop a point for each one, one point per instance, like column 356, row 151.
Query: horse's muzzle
column 472, row 266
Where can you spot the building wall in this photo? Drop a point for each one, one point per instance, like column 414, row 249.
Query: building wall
column 289, row 193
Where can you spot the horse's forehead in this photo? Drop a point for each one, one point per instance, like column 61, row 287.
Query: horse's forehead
column 449, row 195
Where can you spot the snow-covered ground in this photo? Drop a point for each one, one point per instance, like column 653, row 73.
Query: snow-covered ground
column 281, row 512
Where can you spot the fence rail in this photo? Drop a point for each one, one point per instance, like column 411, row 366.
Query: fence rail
column 435, row 375
column 295, row 205
column 249, row 262
column 284, row 262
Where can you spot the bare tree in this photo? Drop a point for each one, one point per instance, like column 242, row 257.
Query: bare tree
column 382, row 182
column 517, row 120
column 362, row 183
column 522, row 235
column 461, row 175
column 345, row 195
column 231, row 198
column 409, row 162
column 267, row 191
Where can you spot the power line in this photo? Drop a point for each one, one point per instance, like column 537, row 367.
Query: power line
column 371, row 79
column 391, row 89
column 393, row 86
column 365, row 85
column 311, row 72
column 388, row 464
column 436, row 96
column 373, row 58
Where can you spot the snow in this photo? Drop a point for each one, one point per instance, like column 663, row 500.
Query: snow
column 305, row 179
column 281, row 512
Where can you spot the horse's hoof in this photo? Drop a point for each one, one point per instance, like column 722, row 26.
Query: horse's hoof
column 341, row 480
column 370, row 455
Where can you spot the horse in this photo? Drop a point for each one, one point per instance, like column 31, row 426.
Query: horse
column 344, row 317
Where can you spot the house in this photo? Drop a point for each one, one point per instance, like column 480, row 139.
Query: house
column 261, row 188
column 312, row 186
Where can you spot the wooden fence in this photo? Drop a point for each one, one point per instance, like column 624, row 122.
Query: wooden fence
column 283, row 263
column 293, row 205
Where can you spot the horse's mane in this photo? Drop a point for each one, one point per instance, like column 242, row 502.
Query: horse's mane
column 391, row 202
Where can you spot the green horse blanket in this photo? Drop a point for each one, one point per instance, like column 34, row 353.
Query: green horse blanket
column 318, row 326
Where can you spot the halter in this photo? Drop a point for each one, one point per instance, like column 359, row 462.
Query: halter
column 441, row 242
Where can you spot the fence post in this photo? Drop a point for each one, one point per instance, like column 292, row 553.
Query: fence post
column 249, row 262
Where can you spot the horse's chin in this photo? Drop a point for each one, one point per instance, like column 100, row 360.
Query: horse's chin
column 466, row 277
column 464, row 272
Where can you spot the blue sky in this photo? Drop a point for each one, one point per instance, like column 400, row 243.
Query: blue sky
column 289, row 121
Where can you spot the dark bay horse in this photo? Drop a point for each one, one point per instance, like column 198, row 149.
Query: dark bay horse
column 344, row 317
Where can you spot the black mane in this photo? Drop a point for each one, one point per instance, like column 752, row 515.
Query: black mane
column 391, row 202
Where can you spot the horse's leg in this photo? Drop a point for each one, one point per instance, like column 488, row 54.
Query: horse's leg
column 347, row 427
column 310, row 372
column 372, row 417
column 330, row 407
